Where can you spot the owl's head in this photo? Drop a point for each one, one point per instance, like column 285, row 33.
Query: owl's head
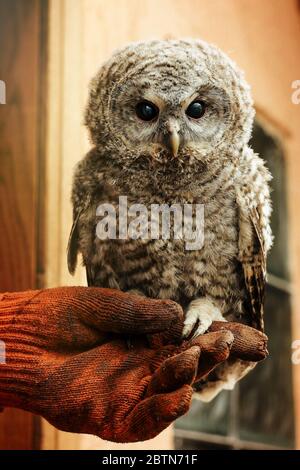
column 175, row 98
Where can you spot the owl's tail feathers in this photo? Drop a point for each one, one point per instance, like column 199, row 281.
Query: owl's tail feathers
column 224, row 377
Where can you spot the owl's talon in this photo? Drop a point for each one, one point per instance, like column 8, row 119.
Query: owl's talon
column 191, row 318
column 199, row 331
column 203, row 312
column 187, row 331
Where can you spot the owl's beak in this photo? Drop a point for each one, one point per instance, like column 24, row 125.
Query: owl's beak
column 173, row 140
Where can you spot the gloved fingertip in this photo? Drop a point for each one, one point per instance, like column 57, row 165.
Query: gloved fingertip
column 177, row 403
column 175, row 372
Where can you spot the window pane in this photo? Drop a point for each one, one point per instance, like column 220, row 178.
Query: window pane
column 265, row 398
column 208, row 417
column 192, row 444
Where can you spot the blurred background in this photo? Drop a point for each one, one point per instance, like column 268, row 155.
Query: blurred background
column 49, row 50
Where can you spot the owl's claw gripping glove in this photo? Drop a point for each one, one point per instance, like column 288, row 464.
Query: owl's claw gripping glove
column 67, row 359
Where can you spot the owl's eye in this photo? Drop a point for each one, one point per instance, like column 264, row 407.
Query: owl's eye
column 146, row 111
column 196, row 109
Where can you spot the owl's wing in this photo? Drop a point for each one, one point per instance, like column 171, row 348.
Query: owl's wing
column 73, row 249
column 252, row 255
column 73, row 244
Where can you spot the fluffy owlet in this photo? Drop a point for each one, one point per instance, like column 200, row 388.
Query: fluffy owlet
column 170, row 123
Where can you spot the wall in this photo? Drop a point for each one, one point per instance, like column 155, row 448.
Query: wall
column 263, row 38
column 21, row 173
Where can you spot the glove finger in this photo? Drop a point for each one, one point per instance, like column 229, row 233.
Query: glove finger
column 249, row 344
column 154, row 414
column 215, row 348
column 114, row 311
column 175, row 372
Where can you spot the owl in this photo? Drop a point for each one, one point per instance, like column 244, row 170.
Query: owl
column 170, row 122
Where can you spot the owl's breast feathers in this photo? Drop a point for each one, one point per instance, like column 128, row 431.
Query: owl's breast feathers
column 230, row 267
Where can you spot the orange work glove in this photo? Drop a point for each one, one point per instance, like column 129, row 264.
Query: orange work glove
column 68, row 360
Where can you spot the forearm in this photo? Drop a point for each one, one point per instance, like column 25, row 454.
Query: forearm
column 19, row 351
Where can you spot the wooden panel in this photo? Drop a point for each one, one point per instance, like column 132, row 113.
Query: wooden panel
column 21, row 172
